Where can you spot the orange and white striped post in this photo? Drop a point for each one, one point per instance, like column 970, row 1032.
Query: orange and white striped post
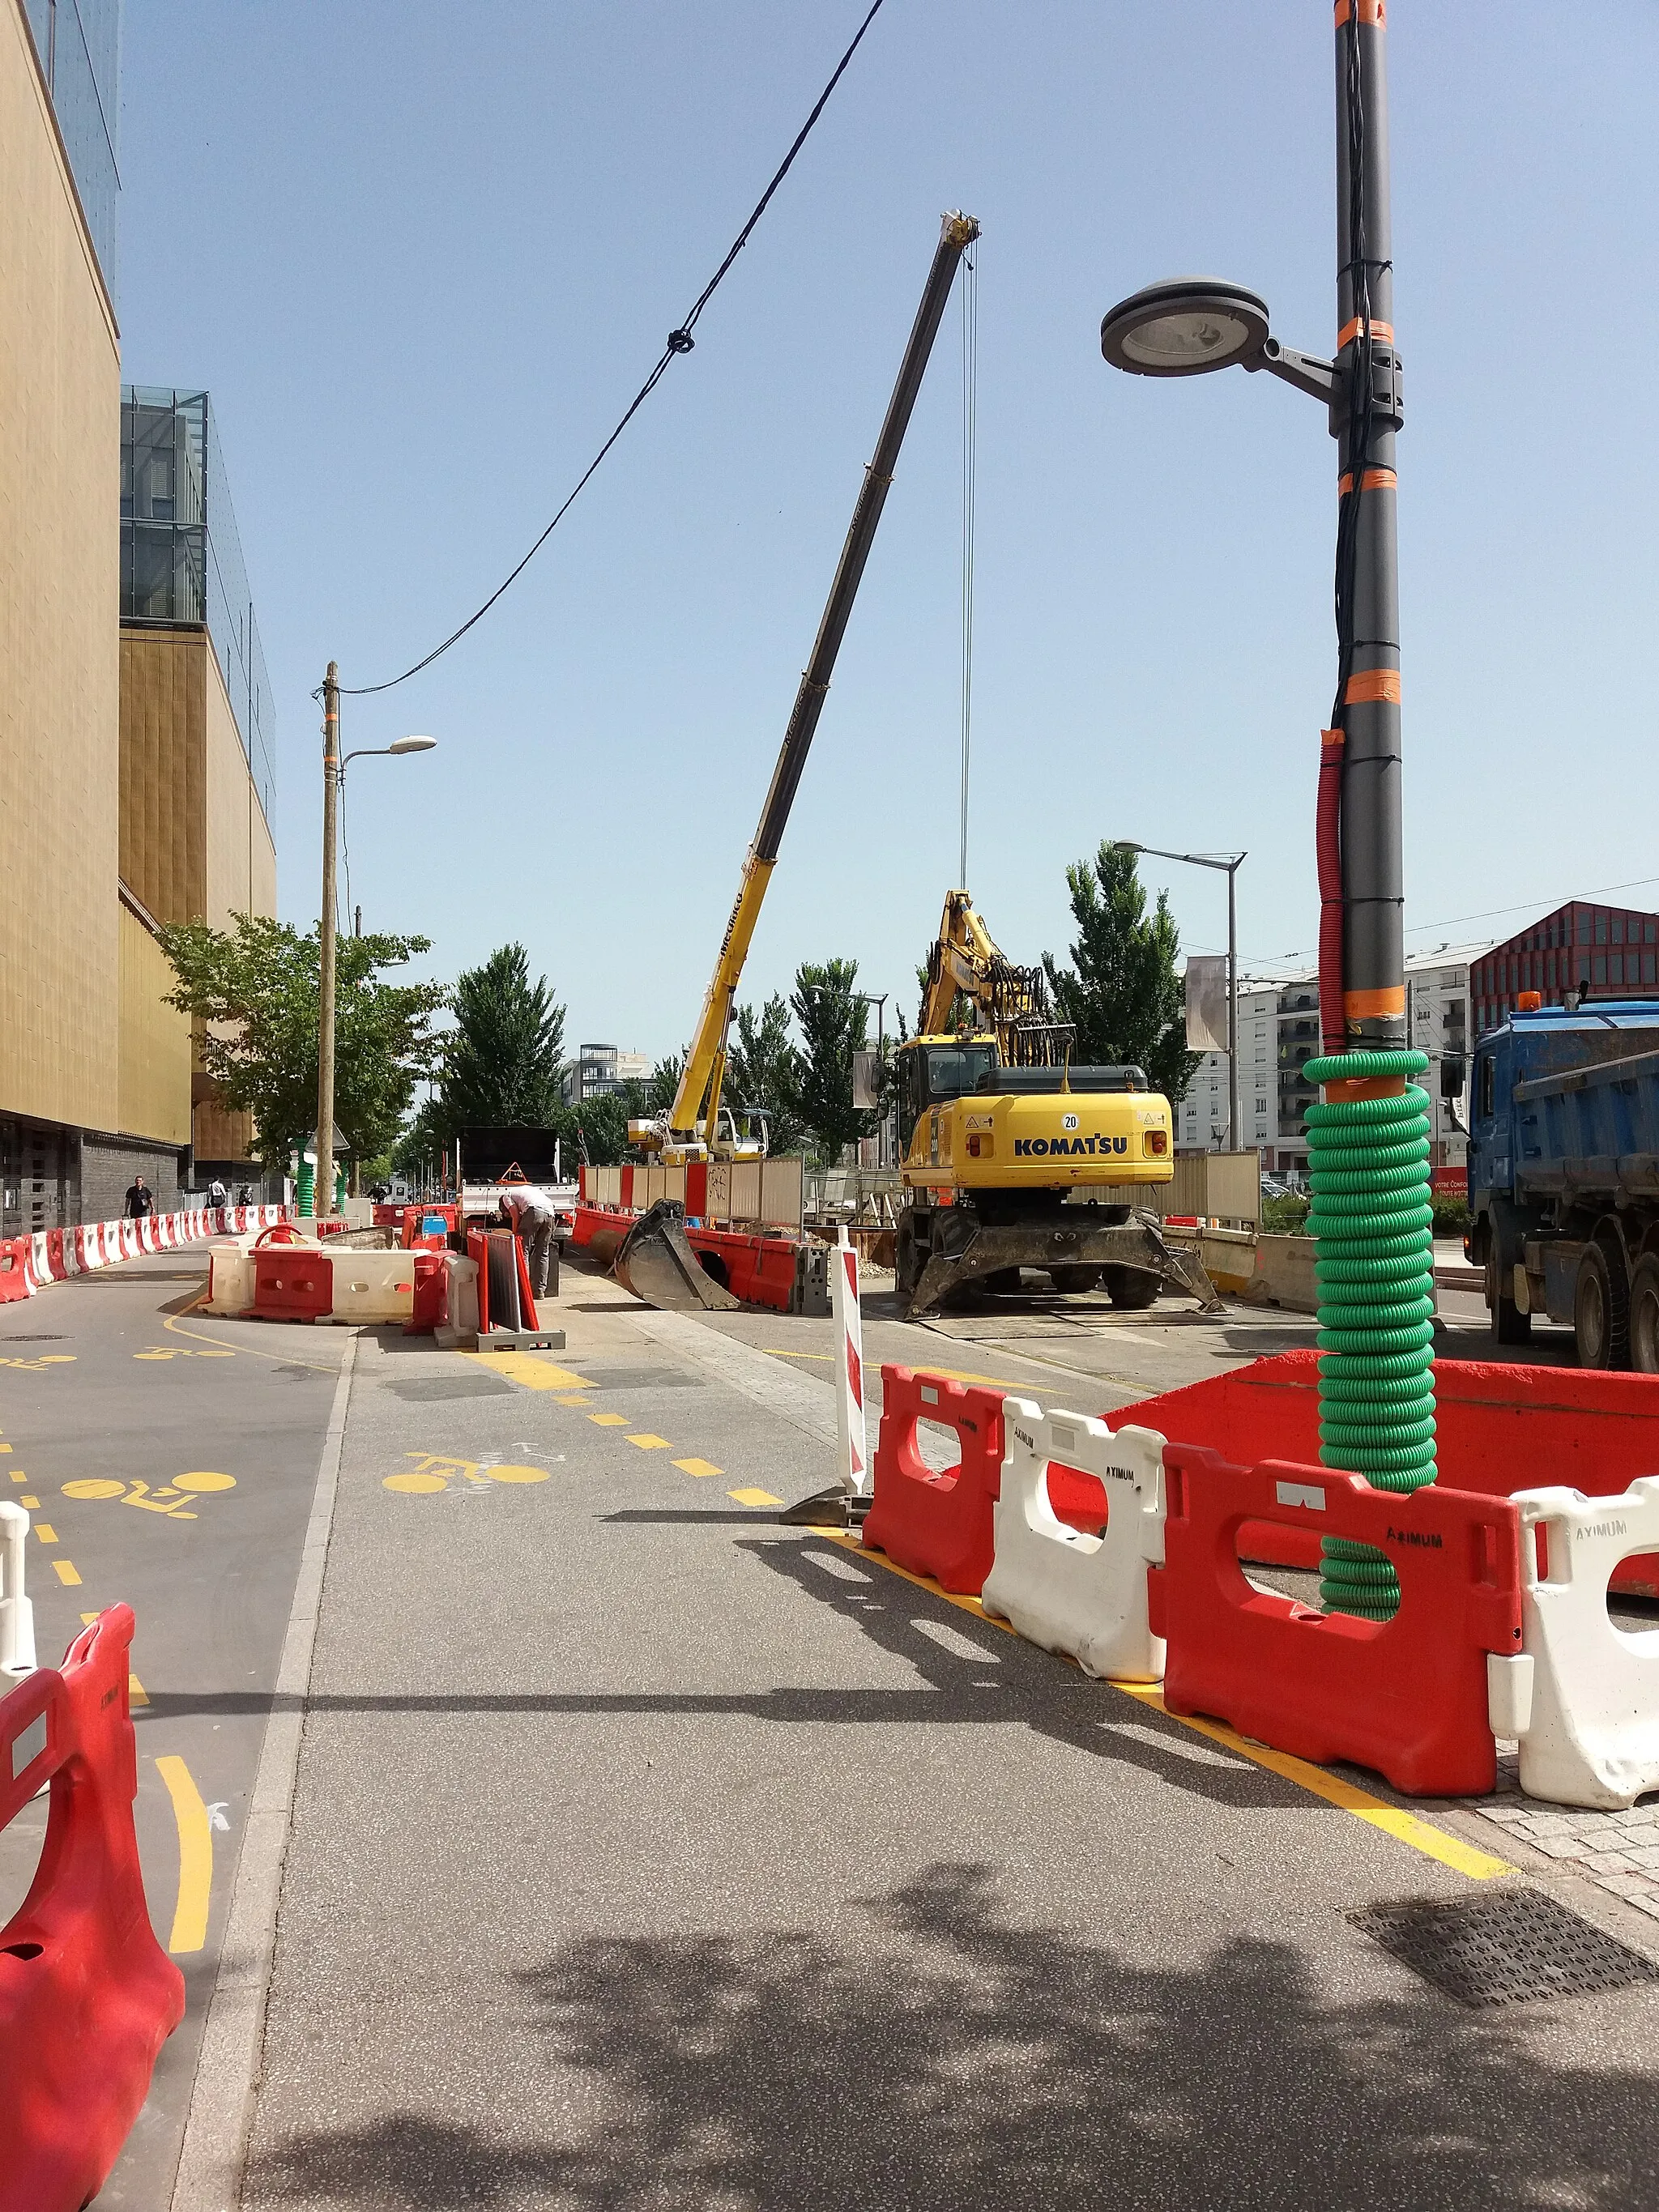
column 854, row 1463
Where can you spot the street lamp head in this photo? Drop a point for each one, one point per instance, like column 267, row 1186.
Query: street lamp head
column 412, row 744
column 1184, row 326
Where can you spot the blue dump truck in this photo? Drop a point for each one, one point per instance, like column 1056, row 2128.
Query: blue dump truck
column 1564, row 1176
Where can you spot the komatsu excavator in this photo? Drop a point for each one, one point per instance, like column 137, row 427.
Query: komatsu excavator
column 655, row 1262
column 1009, row 1151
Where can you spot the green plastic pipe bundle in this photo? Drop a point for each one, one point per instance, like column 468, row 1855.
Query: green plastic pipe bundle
column 1372, row 1222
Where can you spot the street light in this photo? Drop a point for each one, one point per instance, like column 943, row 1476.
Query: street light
column 1230, row 864
column 334, row 768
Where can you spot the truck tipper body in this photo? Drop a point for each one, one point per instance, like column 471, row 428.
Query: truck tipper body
column 1564, row 1177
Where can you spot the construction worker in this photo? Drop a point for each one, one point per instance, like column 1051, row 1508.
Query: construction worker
column 531, row 1215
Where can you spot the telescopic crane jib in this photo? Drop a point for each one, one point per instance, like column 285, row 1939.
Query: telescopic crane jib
column 693, row 1128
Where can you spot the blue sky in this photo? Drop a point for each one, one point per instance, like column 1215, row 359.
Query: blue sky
column 421, row 256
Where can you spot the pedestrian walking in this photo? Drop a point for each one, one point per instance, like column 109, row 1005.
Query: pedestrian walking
column 217, row 1193
column 141, row 1201
column 532, row 1216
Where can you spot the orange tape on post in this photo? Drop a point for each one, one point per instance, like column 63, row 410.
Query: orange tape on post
column 1382, row 333
column 1373, row 480
column 1369, row 687
column 1366, row 1006
column 1366, row 1086
column 1374, row 12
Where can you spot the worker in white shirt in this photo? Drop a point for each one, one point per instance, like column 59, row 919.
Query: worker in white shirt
column 532, row 1216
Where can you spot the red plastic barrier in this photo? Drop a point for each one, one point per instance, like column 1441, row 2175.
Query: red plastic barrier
column 15, row 1281
column 759, row 1270
column 627, row 1182
column 87, row 1996
column 1503, row 1427
column 292, row 1283
column 57, row 1263
column 431, row 1308
column 1406, row 1697
column 936, row 1524
column 696, row 1189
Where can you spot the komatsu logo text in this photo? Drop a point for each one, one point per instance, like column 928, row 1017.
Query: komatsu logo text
column 1038, row 1148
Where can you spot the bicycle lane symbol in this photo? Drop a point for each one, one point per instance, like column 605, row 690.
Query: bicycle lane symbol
column 434, row 1471
column 174, row 1500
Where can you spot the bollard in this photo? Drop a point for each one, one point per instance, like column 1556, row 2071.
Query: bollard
column 17, row 1612
column 854, row 1468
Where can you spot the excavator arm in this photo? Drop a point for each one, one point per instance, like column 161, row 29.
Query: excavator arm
column 689, row 1130
column 965, row 960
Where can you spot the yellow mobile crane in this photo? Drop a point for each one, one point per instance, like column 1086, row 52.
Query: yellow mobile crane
column 1002, row 1137
column 654, row 1260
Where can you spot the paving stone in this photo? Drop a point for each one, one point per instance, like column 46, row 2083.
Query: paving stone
column 1608, row 1863
column 1630, row 1885
column 1646, row 1857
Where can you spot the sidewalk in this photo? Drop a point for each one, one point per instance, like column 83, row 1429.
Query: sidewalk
column 646, row 1853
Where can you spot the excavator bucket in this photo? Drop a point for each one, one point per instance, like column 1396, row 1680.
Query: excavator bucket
column 657, row 1265
column 975, row 1252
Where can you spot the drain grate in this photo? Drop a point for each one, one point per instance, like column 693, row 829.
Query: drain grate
column 1508, row 1947
column 33, row 1340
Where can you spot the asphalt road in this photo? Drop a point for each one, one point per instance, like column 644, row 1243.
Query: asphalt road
column 647, row 1853
column 168, row 1462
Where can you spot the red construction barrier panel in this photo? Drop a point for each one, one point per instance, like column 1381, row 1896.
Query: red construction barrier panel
column 1501, row 1427
column 936, row 1524
column 759, row 1270
column 87, row 1996
column 15, row 1279
column 1406, row 1697
column 431, row 1310
column 291, row 1282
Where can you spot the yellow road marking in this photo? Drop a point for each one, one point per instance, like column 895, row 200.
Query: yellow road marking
column 45, row 1532
column 698, row 1467
column 136, row 1693
column 94, row 1487
column 515, row 1473
column 647, row 1442
column 608, row 1420
column 16, row 1476
column 777, row 1351
column 532, row 1368
column 573, row 1402
column 286, row 1358
column 5, row 1448
column 31, row 1503
column 195, row 1857
column 65, row 1572
column 1405, row 1827
column 419, row 1484
column 754, row 1497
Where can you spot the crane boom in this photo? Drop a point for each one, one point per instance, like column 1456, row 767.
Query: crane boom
column 691, row 1122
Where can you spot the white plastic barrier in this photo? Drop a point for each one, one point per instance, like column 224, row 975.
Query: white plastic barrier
column 230, row 1278
column 462, row 1295
column 371, row 1286
column 16, row 1609
column 1085, row 1595
column 848, row 1315
column 1592, row 1734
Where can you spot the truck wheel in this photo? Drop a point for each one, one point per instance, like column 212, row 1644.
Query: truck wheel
column 1074, row 1278
column 1509, row 1324
column 1644, row 1317
column 1600, row 1309
column 1131, row 1288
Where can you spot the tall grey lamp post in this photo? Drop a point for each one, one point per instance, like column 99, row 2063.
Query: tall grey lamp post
column 334, row 768
column 1230, row 863
column 1189, row 325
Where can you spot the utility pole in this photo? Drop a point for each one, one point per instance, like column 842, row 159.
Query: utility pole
column 323, row 1190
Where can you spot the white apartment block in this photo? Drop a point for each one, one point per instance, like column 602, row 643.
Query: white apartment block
column 1201, row 1116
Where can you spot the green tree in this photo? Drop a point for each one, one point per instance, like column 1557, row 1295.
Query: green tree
column 1122, row 991
column 832, row 1020
column 254, row 991
column 502, row 1060
column 762, row 1071
column 602, row 1122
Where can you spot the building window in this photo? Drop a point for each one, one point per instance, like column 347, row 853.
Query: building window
column 1599, row 968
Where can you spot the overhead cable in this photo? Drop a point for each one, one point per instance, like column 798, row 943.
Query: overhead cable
column 679, row 341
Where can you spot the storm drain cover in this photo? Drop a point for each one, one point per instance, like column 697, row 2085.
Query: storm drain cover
column 33, row 1340
column 423, row 1389
column 1510, row 1947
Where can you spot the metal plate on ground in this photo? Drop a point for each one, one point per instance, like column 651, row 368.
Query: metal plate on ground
column 427, row 1389
column 33, row 1340
column 1510, row 1947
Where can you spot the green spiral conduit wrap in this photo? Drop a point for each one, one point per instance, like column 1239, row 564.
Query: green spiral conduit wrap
column 1372, row 1223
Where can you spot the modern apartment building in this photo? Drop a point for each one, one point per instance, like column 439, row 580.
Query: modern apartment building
column 95, row 1071
column 600, row 1069
column 1201, row 1116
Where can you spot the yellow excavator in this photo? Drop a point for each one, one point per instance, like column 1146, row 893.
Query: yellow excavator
column 654, row 1260
column 1006, row 1146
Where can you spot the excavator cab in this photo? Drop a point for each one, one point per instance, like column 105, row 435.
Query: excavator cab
column 932, row 1071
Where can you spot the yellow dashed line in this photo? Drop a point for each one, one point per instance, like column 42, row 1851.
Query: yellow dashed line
column 66, row 1573
column 33, row 1504
column 1404, row 1827
column 195, row 1856
column 45, row 1532
column 647, row 1442
column 754, row 1497
column 17, row 1477
column 698, row 1467
column 608, row 1420
column 572, row 1401
column 532, row 1368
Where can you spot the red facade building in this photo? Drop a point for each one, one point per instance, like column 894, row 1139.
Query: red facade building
column 1600, row 951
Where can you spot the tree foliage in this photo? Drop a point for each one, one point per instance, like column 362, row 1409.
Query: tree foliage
column 833, row 1022
column 762, row 1070
column 1122, row 990
column 255, row 991
column 502, row 1060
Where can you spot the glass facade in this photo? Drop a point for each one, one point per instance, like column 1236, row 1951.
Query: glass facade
column 181, row 557
column 79, row 43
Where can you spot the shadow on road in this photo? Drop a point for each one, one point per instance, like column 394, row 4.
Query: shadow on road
column 930, row 2056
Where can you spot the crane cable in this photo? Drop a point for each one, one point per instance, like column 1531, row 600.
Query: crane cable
column 969, row 474
column 679, row 341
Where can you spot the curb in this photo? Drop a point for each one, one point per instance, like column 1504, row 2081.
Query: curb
column 220, row 2116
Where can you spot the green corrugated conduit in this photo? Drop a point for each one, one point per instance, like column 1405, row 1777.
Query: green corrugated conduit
column 1372, row 1223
